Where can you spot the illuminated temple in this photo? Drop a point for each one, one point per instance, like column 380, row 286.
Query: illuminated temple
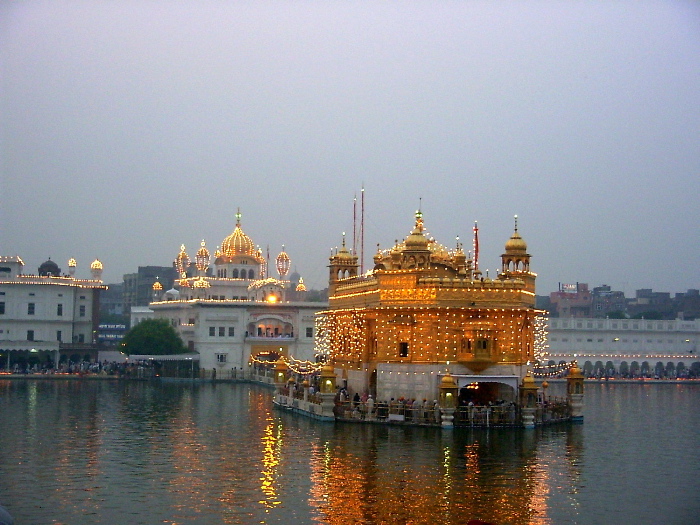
column 426, row 312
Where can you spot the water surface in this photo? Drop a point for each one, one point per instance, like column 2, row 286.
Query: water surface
column 110, row 452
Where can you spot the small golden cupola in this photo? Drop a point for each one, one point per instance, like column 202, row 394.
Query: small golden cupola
column 283, row 263
column 416, row 252
column 96, row 269
column 182, row 262
column 343, row 265
column 202, row 258
column 515, row 259
column 238, row 243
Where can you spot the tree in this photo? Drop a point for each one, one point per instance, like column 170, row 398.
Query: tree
column 153, row 337
column 616, row 314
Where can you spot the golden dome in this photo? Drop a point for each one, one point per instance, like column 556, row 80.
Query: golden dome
column 575, row 371
column 72, row 263
column 528, row 380
column 202, row 258
column 516, row 243
column 447, row 381
column 157, row 286
column 328, row 370
column 416, row 240
column 344, row 253
column 301, row 287
column 96, row 265
column 238, row 243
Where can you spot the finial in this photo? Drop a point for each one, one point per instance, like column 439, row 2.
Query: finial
column 515, row 217
column 182, row 247
column 238, row 217
column 343, row 239
column 203, row 243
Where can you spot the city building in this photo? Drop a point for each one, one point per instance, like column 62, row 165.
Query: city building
column 627, row 347
column 48, row 316
column 571, row 300
column 577, row 300
column 235, row 314
column 426, row 312
column 137, row 287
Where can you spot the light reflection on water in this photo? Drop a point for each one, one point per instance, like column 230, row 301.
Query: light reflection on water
column 130, row 452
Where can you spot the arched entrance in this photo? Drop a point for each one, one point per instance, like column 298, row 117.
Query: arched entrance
column 482, row 390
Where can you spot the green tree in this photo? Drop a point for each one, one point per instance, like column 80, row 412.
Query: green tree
column 153, row 337
column 616, row 314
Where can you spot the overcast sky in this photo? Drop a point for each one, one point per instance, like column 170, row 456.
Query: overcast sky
column 129, row 128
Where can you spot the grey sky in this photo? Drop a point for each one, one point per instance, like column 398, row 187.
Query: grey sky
column 128, row 128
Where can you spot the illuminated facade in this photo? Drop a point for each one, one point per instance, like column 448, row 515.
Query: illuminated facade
column 48, row 314
column 424, row 310
column 234, row 312
column 630, row 347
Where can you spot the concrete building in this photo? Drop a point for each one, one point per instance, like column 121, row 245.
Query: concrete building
column 137, row 287
column 48, row 315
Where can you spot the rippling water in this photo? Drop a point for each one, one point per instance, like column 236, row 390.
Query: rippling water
column 109, row 452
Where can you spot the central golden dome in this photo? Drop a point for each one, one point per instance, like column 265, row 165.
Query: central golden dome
column 238, row 243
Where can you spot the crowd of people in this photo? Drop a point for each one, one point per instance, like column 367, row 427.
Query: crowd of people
column 82, row 368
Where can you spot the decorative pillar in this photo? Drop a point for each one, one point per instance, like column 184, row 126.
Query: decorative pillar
column 528, row 400
column 574, row 392
column 280, row 381
column 327, row 390
column 448, row 399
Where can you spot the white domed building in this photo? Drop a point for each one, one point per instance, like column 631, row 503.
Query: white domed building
column 232, row 312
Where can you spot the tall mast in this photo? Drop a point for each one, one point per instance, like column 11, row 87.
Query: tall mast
column 354, row 225
column 476, row 246
column 362, row 231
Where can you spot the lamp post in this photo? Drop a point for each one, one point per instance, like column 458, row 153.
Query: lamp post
column 448, row 399
column 574, row 392
column 528, row 400
column 327, row 393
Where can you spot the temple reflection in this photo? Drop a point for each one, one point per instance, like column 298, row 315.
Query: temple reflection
column 401, row 475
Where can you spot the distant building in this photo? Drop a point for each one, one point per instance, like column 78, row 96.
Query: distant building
column 604, row 301
column 571, row 300
column 576, row 300
column 47, row 316
column 138, row 287
column 631, row 347
column 111, row 300
column 647, row 301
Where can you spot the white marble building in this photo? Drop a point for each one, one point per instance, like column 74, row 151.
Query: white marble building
column 236, row 313
column 625, row 343
column 47, row 314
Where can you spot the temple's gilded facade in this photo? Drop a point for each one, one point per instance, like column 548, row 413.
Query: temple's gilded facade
column 425, row 310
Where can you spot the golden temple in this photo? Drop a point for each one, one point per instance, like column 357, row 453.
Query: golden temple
column 424, row 310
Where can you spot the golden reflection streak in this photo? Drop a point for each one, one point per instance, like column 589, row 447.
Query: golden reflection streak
column 272, row 445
